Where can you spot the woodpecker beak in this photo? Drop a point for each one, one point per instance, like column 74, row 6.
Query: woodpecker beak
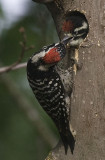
column 67, row 39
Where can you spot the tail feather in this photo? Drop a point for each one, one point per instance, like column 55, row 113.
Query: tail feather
column 68, row 140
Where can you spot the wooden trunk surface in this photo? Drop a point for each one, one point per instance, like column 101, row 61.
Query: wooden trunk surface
column 88, row 101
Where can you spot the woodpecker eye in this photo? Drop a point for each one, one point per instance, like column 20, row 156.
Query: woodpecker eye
column 75, row 33
column 44, row 47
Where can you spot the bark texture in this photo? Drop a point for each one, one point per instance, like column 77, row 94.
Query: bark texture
column 88, row 101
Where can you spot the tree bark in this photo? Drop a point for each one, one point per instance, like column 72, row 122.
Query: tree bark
column 88, row 101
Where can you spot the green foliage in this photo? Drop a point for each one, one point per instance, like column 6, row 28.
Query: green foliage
column 1, row 12
column 19, row 138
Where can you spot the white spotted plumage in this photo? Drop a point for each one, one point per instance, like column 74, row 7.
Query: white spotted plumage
column 49, row 91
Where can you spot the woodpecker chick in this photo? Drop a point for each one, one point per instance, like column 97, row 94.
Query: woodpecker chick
column 75, row 25
column 49, row 90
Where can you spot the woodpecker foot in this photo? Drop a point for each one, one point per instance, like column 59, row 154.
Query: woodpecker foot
column 78, row 64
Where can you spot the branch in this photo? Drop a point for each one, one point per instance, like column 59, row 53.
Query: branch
column 14, row 65
column 8, row 68
column 24, row 48
column 43, row 1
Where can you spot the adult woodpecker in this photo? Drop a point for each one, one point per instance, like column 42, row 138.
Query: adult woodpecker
column 48, row 88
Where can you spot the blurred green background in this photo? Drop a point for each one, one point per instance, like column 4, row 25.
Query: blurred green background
column 20, row 138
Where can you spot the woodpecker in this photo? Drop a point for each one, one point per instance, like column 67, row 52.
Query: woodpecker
column 48, row 87
column 75, row 25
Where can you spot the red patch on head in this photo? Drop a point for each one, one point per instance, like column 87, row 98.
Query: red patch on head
column 52, row 56
column 67, row 26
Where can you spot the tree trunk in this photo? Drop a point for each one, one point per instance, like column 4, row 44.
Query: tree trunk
column 88, row 101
